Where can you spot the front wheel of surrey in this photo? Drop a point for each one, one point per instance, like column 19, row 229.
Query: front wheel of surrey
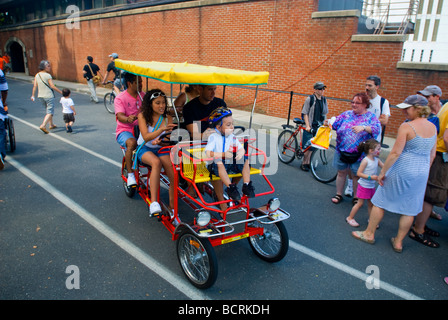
column 130, row 191
column 109, row 99
column 273, row 244
column 321, row 163
column 197, row 259
column 287, row 146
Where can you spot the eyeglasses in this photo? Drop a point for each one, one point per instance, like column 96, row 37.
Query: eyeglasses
column 355, row 102
column 156, row 95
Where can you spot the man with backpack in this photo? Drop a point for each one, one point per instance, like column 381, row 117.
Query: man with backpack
column 314, row 112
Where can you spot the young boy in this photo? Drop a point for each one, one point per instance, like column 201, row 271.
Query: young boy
column 68, row 110
column 221, row 146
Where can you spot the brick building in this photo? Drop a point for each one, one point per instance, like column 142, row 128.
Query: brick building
column 295, row 40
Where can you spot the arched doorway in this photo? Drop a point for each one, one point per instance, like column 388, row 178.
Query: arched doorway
column 17, row 52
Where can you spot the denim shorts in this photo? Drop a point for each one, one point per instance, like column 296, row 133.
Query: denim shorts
column 338, row 164
column 156, row 151
column 48, row 103
column 123, row 137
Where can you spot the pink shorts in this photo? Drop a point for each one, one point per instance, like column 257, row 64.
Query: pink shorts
column 364, row 193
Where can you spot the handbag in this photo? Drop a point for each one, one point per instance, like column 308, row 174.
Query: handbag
column 96, row 78
column 348, row 157
column 322, row 138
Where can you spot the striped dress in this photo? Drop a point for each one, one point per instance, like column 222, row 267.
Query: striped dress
column 405, row 182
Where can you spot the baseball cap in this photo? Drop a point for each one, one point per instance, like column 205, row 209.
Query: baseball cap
column 114, row 55
column 430, row 90
column 319, row 85
column 414, row 100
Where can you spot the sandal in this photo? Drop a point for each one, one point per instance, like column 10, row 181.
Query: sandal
column 44, row 130
column 352, row 222
column 360, row 236
column 53, row 127
column 423, row 238
column 392, row 242
column 432, row 233
column 305, row 167
column 337, row 199
column 354, row 201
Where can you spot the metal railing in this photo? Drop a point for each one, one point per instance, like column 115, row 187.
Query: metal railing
column 391, row 16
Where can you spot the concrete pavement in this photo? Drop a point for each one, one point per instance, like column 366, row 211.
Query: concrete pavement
column 259, row 121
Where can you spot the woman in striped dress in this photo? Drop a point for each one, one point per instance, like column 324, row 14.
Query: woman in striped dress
column 402, row 181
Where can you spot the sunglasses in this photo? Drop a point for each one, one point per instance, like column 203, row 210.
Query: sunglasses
column 156, row 95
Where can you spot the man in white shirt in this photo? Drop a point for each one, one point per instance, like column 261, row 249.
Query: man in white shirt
column 382, row 112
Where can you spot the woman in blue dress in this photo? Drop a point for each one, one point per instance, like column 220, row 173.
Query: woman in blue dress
column 402, row 181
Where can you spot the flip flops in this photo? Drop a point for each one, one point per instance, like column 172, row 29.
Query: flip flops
column 360, row 236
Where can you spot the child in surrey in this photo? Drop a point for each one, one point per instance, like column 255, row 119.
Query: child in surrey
column 367, row 173
column 68, row 110
column 153, row 121
column 221, row 146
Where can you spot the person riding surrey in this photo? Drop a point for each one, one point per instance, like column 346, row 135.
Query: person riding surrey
column 314, row 112
column 127, row 106
column 227, row 151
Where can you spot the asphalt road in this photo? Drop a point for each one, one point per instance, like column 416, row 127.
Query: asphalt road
column 63, row 213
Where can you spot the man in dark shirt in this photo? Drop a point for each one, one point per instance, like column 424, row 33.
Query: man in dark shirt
column 87, row 71
column 113, row 71
column 197, row 111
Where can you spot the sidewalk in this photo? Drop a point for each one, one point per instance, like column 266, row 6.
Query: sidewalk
column 242, row 118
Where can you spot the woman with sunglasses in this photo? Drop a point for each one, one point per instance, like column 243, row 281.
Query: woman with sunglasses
column 153, row 121
column 352, row 127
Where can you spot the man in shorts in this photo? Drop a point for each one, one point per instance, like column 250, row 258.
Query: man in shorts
column 437, row 186
column 127, row 106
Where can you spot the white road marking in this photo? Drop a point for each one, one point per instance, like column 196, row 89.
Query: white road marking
column 179, row 283
column 152, row 264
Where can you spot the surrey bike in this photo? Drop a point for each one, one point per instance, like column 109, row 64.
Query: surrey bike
column 290, row 146
column 198, row 224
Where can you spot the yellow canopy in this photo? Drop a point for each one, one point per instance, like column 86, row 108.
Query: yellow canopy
column 186, row 73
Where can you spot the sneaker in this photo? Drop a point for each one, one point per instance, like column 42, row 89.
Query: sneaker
column 349, row 190
column 154, row 208
column 175, row 221
column 233, row 193
column 131, row 180
column 249, row 190
column 69, row 129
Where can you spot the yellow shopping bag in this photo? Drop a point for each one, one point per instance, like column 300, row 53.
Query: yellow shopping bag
column 322, row 138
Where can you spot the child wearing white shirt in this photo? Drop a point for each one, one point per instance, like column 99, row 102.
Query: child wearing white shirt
column 223, row 146
column 68, row 110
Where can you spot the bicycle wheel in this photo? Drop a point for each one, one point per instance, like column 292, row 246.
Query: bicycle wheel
column 287, row 146
column 322, row 165
column 11, row 135
column 109, row 99
column 197, row 259
column 273, row 244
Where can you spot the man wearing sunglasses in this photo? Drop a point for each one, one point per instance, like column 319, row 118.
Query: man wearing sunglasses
column 127, row 106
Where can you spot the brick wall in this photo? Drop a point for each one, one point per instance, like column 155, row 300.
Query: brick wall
column 275, row 36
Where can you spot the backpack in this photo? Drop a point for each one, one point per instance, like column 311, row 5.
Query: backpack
column 324, row 100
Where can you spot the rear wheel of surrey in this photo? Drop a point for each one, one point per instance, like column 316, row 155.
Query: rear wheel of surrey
column 109, row 99
column 321, row 163
column 287, row 146
column 197, row 259
column 273, row 244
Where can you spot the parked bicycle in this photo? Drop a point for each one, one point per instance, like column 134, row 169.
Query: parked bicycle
column 321, row 160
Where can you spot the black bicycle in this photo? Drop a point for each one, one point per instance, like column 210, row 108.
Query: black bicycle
column 321, row 160
column 109, row 99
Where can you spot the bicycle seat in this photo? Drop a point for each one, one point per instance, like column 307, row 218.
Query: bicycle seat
column 299, row 121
